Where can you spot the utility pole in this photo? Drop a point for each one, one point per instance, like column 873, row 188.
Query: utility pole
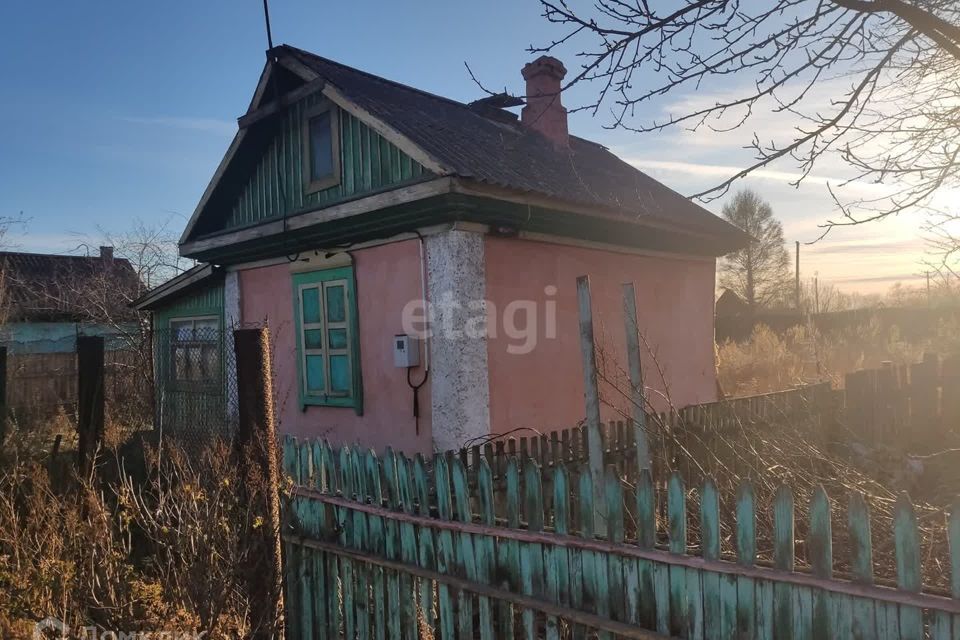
column 928, row 289
column 796, row 286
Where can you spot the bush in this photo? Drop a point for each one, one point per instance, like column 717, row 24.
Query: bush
column 163, row 552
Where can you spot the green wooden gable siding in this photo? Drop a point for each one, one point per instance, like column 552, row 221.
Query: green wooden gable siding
column 275, row 187
column 203, row 302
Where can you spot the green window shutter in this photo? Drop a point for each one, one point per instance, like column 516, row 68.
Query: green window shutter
column 328, row 346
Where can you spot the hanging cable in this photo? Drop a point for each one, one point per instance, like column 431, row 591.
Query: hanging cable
column 426, row 345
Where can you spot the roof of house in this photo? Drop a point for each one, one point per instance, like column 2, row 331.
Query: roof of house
column 730, row 303
column 52, row 288
column 491, row 146
column 177, row 286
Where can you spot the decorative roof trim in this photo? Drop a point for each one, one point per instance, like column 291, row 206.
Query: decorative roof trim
column 175, row 286
column 346, row 209
column 393, row 136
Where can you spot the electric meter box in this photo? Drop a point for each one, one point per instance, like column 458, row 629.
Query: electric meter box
column 406, row 352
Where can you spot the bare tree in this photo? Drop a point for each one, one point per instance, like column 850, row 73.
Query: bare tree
column 897, row 120
column 758, row 272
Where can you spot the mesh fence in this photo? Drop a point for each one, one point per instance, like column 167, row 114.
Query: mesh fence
column 196, row 384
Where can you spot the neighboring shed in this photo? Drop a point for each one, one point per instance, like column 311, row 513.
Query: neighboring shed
column 50, row 299
column 191, row 351
column 731, row 305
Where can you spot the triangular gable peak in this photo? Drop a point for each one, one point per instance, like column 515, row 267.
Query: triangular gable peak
column 262, row 176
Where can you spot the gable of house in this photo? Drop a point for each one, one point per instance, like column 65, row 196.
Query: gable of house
column 65, row 288
column 274, row 186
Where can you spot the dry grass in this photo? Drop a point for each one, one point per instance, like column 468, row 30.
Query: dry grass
column 773, row 362
column 162, row 552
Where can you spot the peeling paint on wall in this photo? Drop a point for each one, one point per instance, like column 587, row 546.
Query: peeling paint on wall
column 460, row 395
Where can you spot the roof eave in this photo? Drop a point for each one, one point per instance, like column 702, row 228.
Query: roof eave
column 175, row 287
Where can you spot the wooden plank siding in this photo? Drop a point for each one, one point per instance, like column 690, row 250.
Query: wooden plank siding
column 517, row 561
column 41, row 385
column 274, row 188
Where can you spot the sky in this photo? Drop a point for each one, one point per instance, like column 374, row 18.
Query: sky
column 118, row 112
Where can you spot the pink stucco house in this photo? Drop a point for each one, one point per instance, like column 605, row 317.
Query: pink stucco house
column 355, row 216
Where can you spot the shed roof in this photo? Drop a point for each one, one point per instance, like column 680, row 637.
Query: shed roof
column 52, row 288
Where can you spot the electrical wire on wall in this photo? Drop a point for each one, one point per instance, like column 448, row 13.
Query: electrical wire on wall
column 426, row 344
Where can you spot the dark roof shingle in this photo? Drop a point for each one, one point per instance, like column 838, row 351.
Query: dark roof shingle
column 51, row 288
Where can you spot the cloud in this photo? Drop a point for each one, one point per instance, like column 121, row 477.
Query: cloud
column 206, row 125
column 722, row 172
column 852, row 247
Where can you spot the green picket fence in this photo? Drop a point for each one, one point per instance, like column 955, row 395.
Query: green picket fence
column 404, row 548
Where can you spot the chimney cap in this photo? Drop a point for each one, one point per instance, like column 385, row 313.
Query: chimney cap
column 544, row 65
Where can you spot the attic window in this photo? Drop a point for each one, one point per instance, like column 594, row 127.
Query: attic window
column 321, row 148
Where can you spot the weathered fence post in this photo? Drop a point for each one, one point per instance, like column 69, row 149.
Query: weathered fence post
column 3, row 393
column 637, row 396
column 256, row 450
column 90, row 401
column 592, row 399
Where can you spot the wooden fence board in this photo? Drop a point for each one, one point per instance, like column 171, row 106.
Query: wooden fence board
column 746, row 556
column 438, row 528
column 485, row 550
column 510, row 557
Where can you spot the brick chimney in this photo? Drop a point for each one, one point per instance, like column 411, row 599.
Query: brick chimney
column 544, row 112
column 106, row 254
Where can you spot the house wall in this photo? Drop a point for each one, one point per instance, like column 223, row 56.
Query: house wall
column 543, row 388
column 387, row 277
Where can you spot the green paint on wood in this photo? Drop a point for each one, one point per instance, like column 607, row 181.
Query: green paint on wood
column 445, row 549
column 710, row 521
column 466, row 565
column 861, row 547
column 677, row 521
column 746, row 525
column 646, row 508
column 677, row 514
column 783, row 529
column 907, row 543
column 820, row 541
column 509, row 552
column 486, row 548
column 275, row 185
column 531, row 553
column 425, row 540
column 613, row 494
column 330, row 595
